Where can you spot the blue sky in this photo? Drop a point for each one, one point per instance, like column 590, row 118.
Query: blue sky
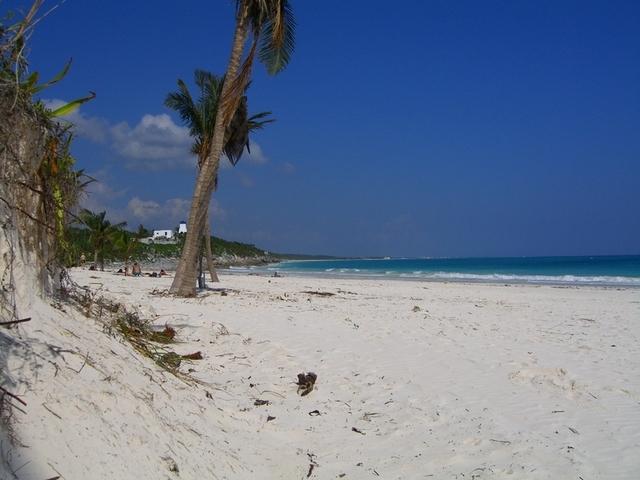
column 427, row 128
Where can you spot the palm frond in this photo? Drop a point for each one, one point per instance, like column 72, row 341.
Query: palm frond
column 210, row 87
column 277, row 37
column 237, row 133
column 236, row 91
column 200, row 115
column 182, row 102
column 255, row 122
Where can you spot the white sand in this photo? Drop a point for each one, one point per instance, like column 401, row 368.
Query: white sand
column 479, row 381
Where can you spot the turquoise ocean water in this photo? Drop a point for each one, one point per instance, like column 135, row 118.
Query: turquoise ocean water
column 596, row 270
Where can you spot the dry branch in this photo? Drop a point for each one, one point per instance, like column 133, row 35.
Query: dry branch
column 8, row 393
column 12, row 322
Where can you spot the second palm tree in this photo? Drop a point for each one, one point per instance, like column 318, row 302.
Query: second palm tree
column 200, row 117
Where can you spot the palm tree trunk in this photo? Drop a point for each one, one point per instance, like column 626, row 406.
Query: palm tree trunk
column 184, row 282
column 201, row 278
column 207, row 244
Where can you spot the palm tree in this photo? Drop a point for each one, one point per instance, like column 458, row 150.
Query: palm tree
column 125, row 244
column 102, row 233
column 271, row 25
column 142, row 232
column 200, row 117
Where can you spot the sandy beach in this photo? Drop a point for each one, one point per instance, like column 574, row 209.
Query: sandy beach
column 415, row 380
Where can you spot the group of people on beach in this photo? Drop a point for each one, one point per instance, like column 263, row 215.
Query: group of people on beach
column 136, row 271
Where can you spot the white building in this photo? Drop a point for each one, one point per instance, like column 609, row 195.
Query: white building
column 182, row 228
column 162, row 235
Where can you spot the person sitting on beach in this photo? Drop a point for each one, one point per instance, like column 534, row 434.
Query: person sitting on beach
column 162, row 272
column 136, row 271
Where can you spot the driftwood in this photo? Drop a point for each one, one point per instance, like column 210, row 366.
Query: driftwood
column 15, row 397
column 320, row 294
column 193, row 356
column 13, row 322
column 312, row 463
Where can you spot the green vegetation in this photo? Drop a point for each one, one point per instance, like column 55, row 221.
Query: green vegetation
column 103, row 236
column 118, row 249
column 39, row 184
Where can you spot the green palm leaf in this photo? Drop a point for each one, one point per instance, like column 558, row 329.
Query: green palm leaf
column 200, row 116
column 277, row 36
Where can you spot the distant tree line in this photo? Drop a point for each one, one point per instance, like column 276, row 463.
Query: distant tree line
column 100, row 241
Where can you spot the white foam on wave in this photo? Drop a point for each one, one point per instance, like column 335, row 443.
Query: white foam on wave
column 542, row 279
column 599, row 280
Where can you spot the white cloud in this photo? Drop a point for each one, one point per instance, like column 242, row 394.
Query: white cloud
column 168, row 213
column 156, row 142
column 93, row 128
column 143, row 209
column 257, row 156
column 99, row 195
column 177, row 208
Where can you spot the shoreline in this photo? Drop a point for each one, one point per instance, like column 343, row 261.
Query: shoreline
column 241, row 270
column 269, row 265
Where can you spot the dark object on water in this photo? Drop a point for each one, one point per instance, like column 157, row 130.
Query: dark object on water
column 269, row 418
column 306, row 381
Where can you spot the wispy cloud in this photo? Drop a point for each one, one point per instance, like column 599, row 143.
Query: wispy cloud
column 143, row 209
column 246, row 181
column 93, row 128
column 167, row 213
column 100, row 194
column 287, row 168
column 255, row 156
column 155, row 143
